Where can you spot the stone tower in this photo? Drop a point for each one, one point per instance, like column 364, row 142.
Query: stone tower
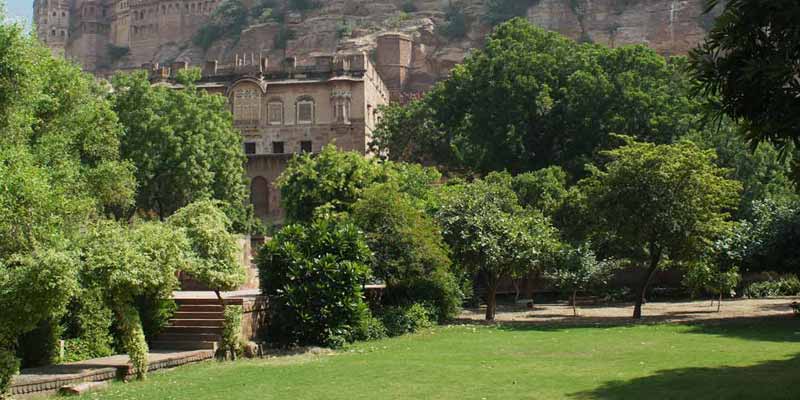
column 394, row 60
column 52, row 23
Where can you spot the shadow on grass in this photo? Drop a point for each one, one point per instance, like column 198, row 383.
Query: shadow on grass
column 764, row 381
column 779, row 328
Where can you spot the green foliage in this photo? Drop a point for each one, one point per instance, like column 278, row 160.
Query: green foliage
column 227, row 21
column 344, row 29
column 455, row 22
column 182, row 142
column 788, row 285
column 155, row 313
column 406, row 319
column 87, row 327
column 705, row 277
column 337, row 178
column 312, row 276
column 652, row 202
column 133, row 340
column 749, row 61
column 59, row 169
column 371, row 328
column 232, row 331
column 768, row 240
column 9, row 366
column 532, row 99
column 491, row 235
column 764, row 173
column 440, row 290
column 543, row 190
column 575, row 270
column 405, row 242
column 215, row 252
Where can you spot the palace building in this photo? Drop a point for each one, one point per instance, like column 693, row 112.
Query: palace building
column 287, row 109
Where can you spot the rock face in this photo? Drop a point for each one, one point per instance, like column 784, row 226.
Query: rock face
column 409, row 46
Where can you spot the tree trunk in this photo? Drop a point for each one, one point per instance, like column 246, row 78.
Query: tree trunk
column 491, row 296
column 655, row 257
column 574, row 306
column 719, row 301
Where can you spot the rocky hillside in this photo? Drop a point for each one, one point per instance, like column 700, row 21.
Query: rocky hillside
column 443, row 31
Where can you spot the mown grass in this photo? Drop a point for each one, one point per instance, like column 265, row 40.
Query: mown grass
column 754, row 359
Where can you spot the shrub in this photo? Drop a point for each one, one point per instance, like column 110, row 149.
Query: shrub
column 784, row 286
column 312, row 276
column 441, row 291
column 228, row 20
column 232, row 332
column 401, row 320
column 9, row 365
column 87, row 328
column 303, row 5
column 371, row 328
column 155, row 313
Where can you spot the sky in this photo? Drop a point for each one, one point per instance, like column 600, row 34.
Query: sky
column 19, row 9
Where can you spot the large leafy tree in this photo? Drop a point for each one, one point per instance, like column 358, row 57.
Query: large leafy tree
column 59, row 168
column 750, row 62
column 491, row 235
column 338, row 178
column 652, row 203
column 182, row 142
column 532, row 98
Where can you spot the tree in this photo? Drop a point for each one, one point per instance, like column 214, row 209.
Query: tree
column 338, row 178
column 748, row 64
column 491, row 236
column 765, row 175
column 124, row 262
column 532, row 99
column 182, row 142
column 543, row 189
column 767, row 241
column 409, row 253
column 59, row 169
column 655, row 202
column 216, row 254
column 312, row 276
column 577, row 269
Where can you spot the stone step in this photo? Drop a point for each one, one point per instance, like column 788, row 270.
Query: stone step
column 197, row 315
column 193, row 329
column 196, row 322
column 200, row 308
column 192, row 301
column 182, row 345
column 189, row 337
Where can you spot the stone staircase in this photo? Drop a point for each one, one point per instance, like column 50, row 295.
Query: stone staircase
column 197, row 325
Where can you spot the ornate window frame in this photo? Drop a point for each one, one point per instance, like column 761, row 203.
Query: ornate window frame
column 305, row 101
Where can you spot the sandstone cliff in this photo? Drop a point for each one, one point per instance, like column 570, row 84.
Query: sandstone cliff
column 668, row 26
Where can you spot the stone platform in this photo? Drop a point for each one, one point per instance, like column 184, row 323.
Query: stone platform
column 49, row 379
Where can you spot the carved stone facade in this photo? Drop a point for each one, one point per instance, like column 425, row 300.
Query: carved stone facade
column 291, row 109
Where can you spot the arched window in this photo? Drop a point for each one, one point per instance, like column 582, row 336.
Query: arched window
column 53, row 32
column 247, row 104
column 259, row 197
column 304, row 110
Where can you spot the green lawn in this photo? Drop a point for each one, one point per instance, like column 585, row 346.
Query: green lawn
column 747, row 360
